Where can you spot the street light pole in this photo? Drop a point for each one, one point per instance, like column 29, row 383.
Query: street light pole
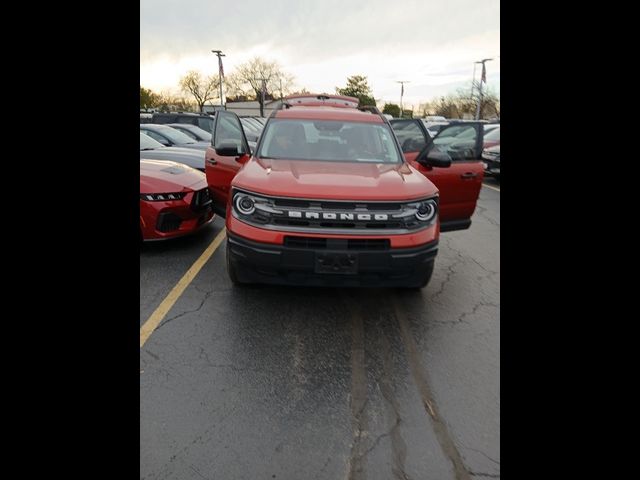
column 473, row 81
column 482, row 78
column 219, row 54
column 402, row 82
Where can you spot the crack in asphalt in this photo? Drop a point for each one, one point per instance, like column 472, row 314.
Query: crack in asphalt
column 480, row 474
column 419, row 374
column 198, row 472
column 450, row 272
column 482, row 453
column 476, row 307
column 207, row 295
column 482, row 213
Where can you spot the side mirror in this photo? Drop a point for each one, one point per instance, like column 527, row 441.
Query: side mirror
column 227, row 149
column 243, row 158
column 435, row 159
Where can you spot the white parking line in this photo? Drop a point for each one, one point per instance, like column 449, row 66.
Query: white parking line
column 492, row 188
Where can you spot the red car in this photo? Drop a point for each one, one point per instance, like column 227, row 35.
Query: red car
column 328, row 198
column 174, row 200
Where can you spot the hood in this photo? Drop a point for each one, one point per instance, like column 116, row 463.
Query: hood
column 188, row 156
column 333, row 180
column 202, row 145
column 168, row 177
column 494, row 149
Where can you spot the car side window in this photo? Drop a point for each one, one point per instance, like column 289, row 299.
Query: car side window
column 206, row 124
column 410, row 136
column 458, row 141
column 228, row 130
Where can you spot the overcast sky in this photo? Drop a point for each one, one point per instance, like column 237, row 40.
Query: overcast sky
column 430, row 43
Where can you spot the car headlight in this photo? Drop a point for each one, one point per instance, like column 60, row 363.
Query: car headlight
column 427, row 210
column 162, row 197
column 252, row 207
column 244, row 204
column 424, row 211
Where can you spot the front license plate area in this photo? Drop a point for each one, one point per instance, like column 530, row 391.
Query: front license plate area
column 339, row 263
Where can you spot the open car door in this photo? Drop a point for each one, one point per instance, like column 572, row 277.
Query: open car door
column 460, row 183
column 229, row 150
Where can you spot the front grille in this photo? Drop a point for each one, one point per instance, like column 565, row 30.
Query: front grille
column 167, row 222
column 314, row 243
column 332, row 216
column 201, row 200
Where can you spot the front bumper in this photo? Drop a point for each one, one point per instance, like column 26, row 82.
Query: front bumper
column 256, row 262
column 491, row 167
column 172, row 221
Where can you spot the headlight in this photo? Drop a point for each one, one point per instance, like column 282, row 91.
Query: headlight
column 427, row 210
column 244, row 204
column 162, row 197
column 424, row 212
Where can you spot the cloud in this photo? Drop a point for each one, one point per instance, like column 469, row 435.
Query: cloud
column 432, row 43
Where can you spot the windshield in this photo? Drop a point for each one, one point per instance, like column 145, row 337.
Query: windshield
column 172, row 134
column 194, row 132
column 327, row 140
column 148, row 143
column 493, row 135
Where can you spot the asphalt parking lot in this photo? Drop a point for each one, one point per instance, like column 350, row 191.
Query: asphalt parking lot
column 308, row 383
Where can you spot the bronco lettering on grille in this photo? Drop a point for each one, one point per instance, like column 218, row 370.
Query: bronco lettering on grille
column 379, row 217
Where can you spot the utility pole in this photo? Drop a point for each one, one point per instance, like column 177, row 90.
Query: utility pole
column 402, row 82
column 473, row 80
column 220, row 70
column 264, row 87
column 483, row 78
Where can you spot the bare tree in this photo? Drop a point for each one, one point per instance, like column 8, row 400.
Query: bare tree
column 202, row 88
column 461, row 103
column 170, row 102
column 249, row 79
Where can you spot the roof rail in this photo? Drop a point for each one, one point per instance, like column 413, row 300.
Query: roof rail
column 373, row 109
column 370, row 108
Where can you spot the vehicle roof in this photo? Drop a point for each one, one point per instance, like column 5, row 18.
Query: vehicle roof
column 188, row 126
column 151, row 126
column 328, row 113
column 184, row 114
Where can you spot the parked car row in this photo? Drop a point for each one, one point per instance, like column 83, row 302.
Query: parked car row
column 320, row 159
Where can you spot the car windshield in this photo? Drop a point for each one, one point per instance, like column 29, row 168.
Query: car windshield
column 172, row 134
column 148, row 143
column 493, row 135
column 327, row 140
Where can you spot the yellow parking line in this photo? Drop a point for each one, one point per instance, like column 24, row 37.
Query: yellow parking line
column 492, row 188
column 156, row 317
